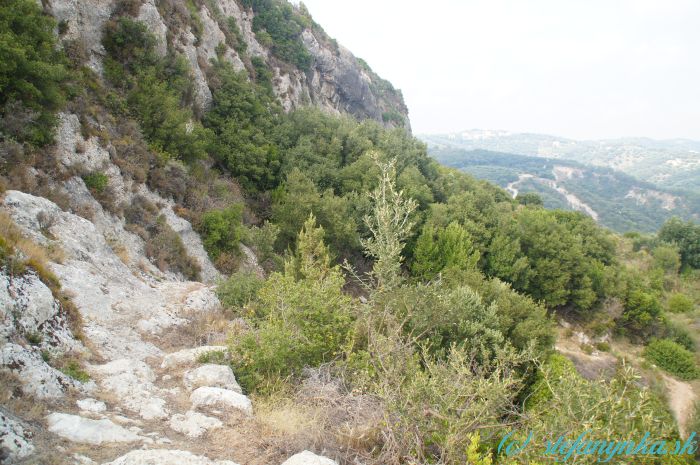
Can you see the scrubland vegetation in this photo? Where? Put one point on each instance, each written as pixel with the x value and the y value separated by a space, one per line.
pixel 425 295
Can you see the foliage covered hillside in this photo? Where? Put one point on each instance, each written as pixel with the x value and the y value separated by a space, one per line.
pixel 427 297
pixel 617 200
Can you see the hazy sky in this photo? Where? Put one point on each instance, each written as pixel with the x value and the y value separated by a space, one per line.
pixel 574 68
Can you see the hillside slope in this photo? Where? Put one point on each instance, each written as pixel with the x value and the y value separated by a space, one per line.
pixel 612 198
pixel 669 164
pixel 196 270
pixel 307 66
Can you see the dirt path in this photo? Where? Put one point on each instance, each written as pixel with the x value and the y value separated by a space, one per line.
pixel 682 398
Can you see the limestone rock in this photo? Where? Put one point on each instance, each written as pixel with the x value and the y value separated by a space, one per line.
pixel 150 16
pixel 188 356
pixel 308 458
pixel 193 424
pixel 15 438
pixel 27 307
pixel 211 375
pixel 165 457
pixel 86 431
pixel 37 377
pixel 132 382
pixel 84 19
pixel 222 398
pixel 92 405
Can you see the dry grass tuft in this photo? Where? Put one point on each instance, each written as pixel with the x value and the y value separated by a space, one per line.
pixel 322 415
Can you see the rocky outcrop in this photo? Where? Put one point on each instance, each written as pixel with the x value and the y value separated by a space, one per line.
pixel 336 81
pixel 38 378
pixel 15 438
pixel 220 376
pixel 29 309
pixel 88 155
pixel 193 424
pixel 221 398
pixel 86 431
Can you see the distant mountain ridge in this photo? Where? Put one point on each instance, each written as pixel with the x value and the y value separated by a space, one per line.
pixel 670 164
pixel 613 198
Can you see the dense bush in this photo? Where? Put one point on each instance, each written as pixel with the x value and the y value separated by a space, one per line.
pixel 686 236
pixel 242 117
pixel 564 403
pixel 437 250
pixel 32 73
pixel 641 313
pixel 673 358
pixel 262 240
pixel 667 258
pixel 680 335
pixel 222 230
pixel 238 290
pixel 680 303
pixel 304 317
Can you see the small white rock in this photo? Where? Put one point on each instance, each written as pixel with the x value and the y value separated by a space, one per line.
pixel 92 405
pixel 82 460
pixel 308 458
pixel 87 431
pixel 211 375
pixel 218 397
pixel 165 457
pixel 194 424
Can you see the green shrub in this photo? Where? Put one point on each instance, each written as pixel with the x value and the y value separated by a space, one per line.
pixel 304 318
pixel 73 369
pixel 218 357
pixel 32 74
pixel 158 90
pixel 680 303
pixel 239 44
pixel 34 338
pixel 686 236
pixel 440 249
pixel 242 117
pixel 667 258
pixel 680 335
pixel 602 346
pixel 263 75
pixel 96 181
pixel 673 358
pixel 641 313
pixel 222 230
pixel 239 289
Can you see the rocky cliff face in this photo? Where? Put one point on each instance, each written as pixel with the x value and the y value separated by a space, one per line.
pixel 335 80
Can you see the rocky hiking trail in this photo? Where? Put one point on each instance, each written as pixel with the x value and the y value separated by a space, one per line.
pixel 149 400
pixel 144 396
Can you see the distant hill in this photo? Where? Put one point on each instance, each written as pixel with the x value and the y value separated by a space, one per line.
pixel 670 164
pixel 612 198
